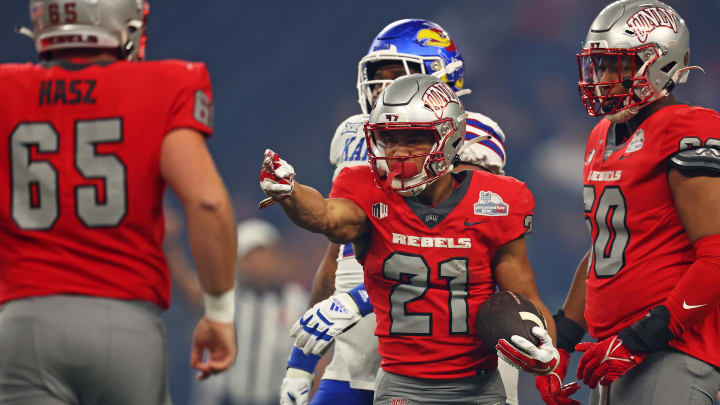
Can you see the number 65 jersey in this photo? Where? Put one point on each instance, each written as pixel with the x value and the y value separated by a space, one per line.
pixel 80 187
pixel 639 247
pixel 427 269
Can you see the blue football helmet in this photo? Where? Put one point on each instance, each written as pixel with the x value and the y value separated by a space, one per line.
pixel 421 44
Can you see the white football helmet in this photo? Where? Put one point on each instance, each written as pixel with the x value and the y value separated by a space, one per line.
pixel 646 43
pixel 415 102
pixel 70 24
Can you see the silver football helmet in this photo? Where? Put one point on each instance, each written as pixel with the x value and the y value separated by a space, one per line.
pixel 639 46
pixel 68 24
pixel 415 102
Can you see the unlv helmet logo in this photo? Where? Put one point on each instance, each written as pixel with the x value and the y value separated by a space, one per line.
pixel 648 19
pixel 437 97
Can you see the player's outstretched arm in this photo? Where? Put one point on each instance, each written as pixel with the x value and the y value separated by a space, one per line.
pixel 188 168
pixel 340 220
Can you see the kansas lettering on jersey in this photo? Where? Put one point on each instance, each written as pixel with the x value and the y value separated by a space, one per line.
pixel 639 247
pixel 427 270
pixel 81 197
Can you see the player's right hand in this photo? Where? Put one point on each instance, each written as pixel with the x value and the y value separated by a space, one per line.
pixel 295 388
pixel 276 176
pixel 218 339
pixel 550 386
pixel 317 328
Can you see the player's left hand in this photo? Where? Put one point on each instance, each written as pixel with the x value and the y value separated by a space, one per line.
pixel 276 176
pixel 219 340
pixel 522 353
pixel 295 388
pixel 317 328
pixel 551 388
pixel 605 361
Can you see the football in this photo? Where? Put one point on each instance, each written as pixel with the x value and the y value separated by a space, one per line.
pixel 505 314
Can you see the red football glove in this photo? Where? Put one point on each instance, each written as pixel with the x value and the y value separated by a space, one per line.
pixel 550 386
pixel 605 361
pixel 276 178
pixel 525 355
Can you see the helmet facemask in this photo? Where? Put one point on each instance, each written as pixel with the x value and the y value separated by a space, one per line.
pixel 627 69
pixel 399 173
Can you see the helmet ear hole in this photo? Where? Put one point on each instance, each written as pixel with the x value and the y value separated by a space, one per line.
pixel 667 68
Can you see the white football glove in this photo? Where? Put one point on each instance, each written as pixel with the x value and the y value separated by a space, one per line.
pixel 276 176
pixel 525 355
pixel 295 388
pixel 317 328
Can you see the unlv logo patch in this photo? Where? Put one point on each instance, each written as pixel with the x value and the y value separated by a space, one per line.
pixel 437 97
pixel 379 210
pixel 398 401
pixel 648 19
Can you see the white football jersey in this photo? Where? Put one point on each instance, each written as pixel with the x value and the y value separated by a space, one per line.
pixel 356 358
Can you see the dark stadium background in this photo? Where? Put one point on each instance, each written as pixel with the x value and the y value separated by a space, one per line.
pixel 284 77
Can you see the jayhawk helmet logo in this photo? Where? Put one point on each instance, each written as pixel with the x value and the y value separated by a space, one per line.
pixel 435 37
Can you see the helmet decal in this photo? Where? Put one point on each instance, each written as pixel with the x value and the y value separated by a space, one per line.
pixel 435 37
pixel 648 19
pixel 437 97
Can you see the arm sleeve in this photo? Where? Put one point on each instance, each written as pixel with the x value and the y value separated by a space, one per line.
pixel 697 294
pixel 193 105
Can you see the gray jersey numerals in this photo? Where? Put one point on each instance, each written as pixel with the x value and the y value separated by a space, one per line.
pixel 612 237
pixel 35 204
pixel 412 274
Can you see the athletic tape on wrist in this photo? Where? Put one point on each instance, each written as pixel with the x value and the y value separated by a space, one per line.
pixel 569 333
pixel 302 361
pixel 361 298
pixel 220 308
pixel 650 333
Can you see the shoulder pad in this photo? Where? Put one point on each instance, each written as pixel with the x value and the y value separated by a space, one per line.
pixel 707 159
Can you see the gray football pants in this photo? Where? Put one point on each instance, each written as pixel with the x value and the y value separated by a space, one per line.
pixel 393 389
pixel 663 378
pixel 72 350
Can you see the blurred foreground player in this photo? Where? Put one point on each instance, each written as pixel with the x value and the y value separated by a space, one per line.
pixel 92 136
pixel 649 287
pixel 433 245
pixel 403 47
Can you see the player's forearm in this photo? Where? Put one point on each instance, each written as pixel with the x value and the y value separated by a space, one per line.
pixel 574 307
pixel 324 282
pixel 306 208
pixel 211 229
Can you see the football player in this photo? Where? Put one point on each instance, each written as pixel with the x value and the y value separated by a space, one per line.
pixel 403 47
pixel 92 135
pixel 433 245
pixel 649 287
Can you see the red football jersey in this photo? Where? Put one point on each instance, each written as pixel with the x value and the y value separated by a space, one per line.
pixel 639 247
pixel 81 193
pixel 427 269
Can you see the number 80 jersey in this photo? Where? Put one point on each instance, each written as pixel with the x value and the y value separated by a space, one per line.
pixel 427 269
pixel 80 187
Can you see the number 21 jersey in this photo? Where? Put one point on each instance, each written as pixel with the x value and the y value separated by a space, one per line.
pixel 427 269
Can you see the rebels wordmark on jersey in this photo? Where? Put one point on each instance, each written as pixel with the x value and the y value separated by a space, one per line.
pixel 427 270
pixel 81 193
pixel 639 247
